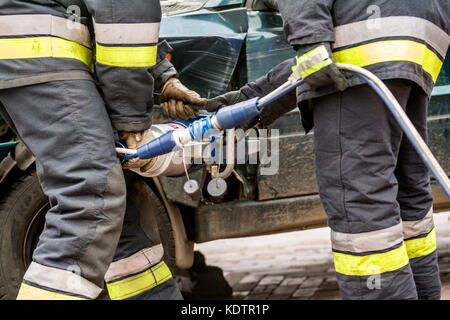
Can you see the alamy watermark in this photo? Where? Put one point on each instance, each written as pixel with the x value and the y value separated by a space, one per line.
pixel 235 146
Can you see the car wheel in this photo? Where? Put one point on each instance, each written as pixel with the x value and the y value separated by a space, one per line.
pixel 22 217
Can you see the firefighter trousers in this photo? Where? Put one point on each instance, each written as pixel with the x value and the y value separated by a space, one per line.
pixel 376 193
pixel 92 233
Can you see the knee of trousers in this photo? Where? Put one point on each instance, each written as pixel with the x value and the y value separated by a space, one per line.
pixel 89 245
pixel 137 275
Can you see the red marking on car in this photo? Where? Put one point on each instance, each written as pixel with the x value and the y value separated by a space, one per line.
pixel 174 126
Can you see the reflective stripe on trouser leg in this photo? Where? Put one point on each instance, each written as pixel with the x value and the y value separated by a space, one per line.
pixel 416 200
pixel 45 283
pixel 373 265
pixel 356 142
pixel 138 275
pixel 420 241
pixel 72 140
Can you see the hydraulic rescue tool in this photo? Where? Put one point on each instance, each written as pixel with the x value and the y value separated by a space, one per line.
pixel 232 116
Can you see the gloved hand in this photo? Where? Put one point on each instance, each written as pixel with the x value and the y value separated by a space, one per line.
pixel 134 140
pixel 178 102
pixel 316 66
pixel 230 98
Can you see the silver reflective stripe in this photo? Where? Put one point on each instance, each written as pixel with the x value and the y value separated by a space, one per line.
pixel 62 280
pixel 126 33
pixel 44 24
pixel 135 263
pixel 367 241
pixel 416 228
pixel 400 26
pixel 321 55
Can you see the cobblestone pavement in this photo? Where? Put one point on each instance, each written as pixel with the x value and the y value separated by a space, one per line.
pixel 296 265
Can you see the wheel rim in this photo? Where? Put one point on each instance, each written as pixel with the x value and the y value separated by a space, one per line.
pixel 32 234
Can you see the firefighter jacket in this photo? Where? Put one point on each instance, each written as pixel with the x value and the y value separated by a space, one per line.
pixel 114 42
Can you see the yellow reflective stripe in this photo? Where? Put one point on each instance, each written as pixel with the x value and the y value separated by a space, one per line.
pixel 421 246
pixel 316 68
pixel 389 51
pixel 144 56
pixel 134 285
pixel 44 47
pixel 27 292
pixel 371 264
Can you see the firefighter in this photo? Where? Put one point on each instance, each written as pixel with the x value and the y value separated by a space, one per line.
pixel 372 183
pixel 68 107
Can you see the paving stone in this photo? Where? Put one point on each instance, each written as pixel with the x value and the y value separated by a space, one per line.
pixel 264 289
pixel 271 280
pixel 445 292
pixel 278 297
pixel 326 295
pixel 312 282
pixel 262 296
pixel 240 293
pixel 244 286
pixel 444 267
pixel 293 281
pixel 284 290
pixel 249 278
pixel 329 286
pixel 304 293
pixel 234 277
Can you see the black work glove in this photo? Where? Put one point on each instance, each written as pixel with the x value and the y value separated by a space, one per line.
pixel 317 67
pixel 230 98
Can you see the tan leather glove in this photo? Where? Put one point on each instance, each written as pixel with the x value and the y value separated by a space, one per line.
pixel 134 140
pixel 178 102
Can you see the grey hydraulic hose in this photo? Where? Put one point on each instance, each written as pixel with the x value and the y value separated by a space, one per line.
pixel 402 119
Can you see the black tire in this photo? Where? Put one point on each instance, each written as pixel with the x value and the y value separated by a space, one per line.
pixel 22 217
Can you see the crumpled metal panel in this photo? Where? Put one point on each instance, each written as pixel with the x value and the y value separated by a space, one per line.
pixel 223 3
pixel 266 44
pixel 206 47
pixel 175 7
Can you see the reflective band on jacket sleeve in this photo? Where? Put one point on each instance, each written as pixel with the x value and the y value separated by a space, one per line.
pixel 126 33
pixel 127 56
pixel 397 26
pixel 44 47
pixel 141 282
pixel 370 264
pixel 421 246
pixel 27 292
pixel 312 62
pixel 389 51
pixel 44 25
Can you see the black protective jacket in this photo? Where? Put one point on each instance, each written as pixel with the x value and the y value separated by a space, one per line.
pixel 113 42
pixel 393 39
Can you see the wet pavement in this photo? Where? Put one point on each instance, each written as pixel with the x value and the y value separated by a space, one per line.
pixel 296 265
